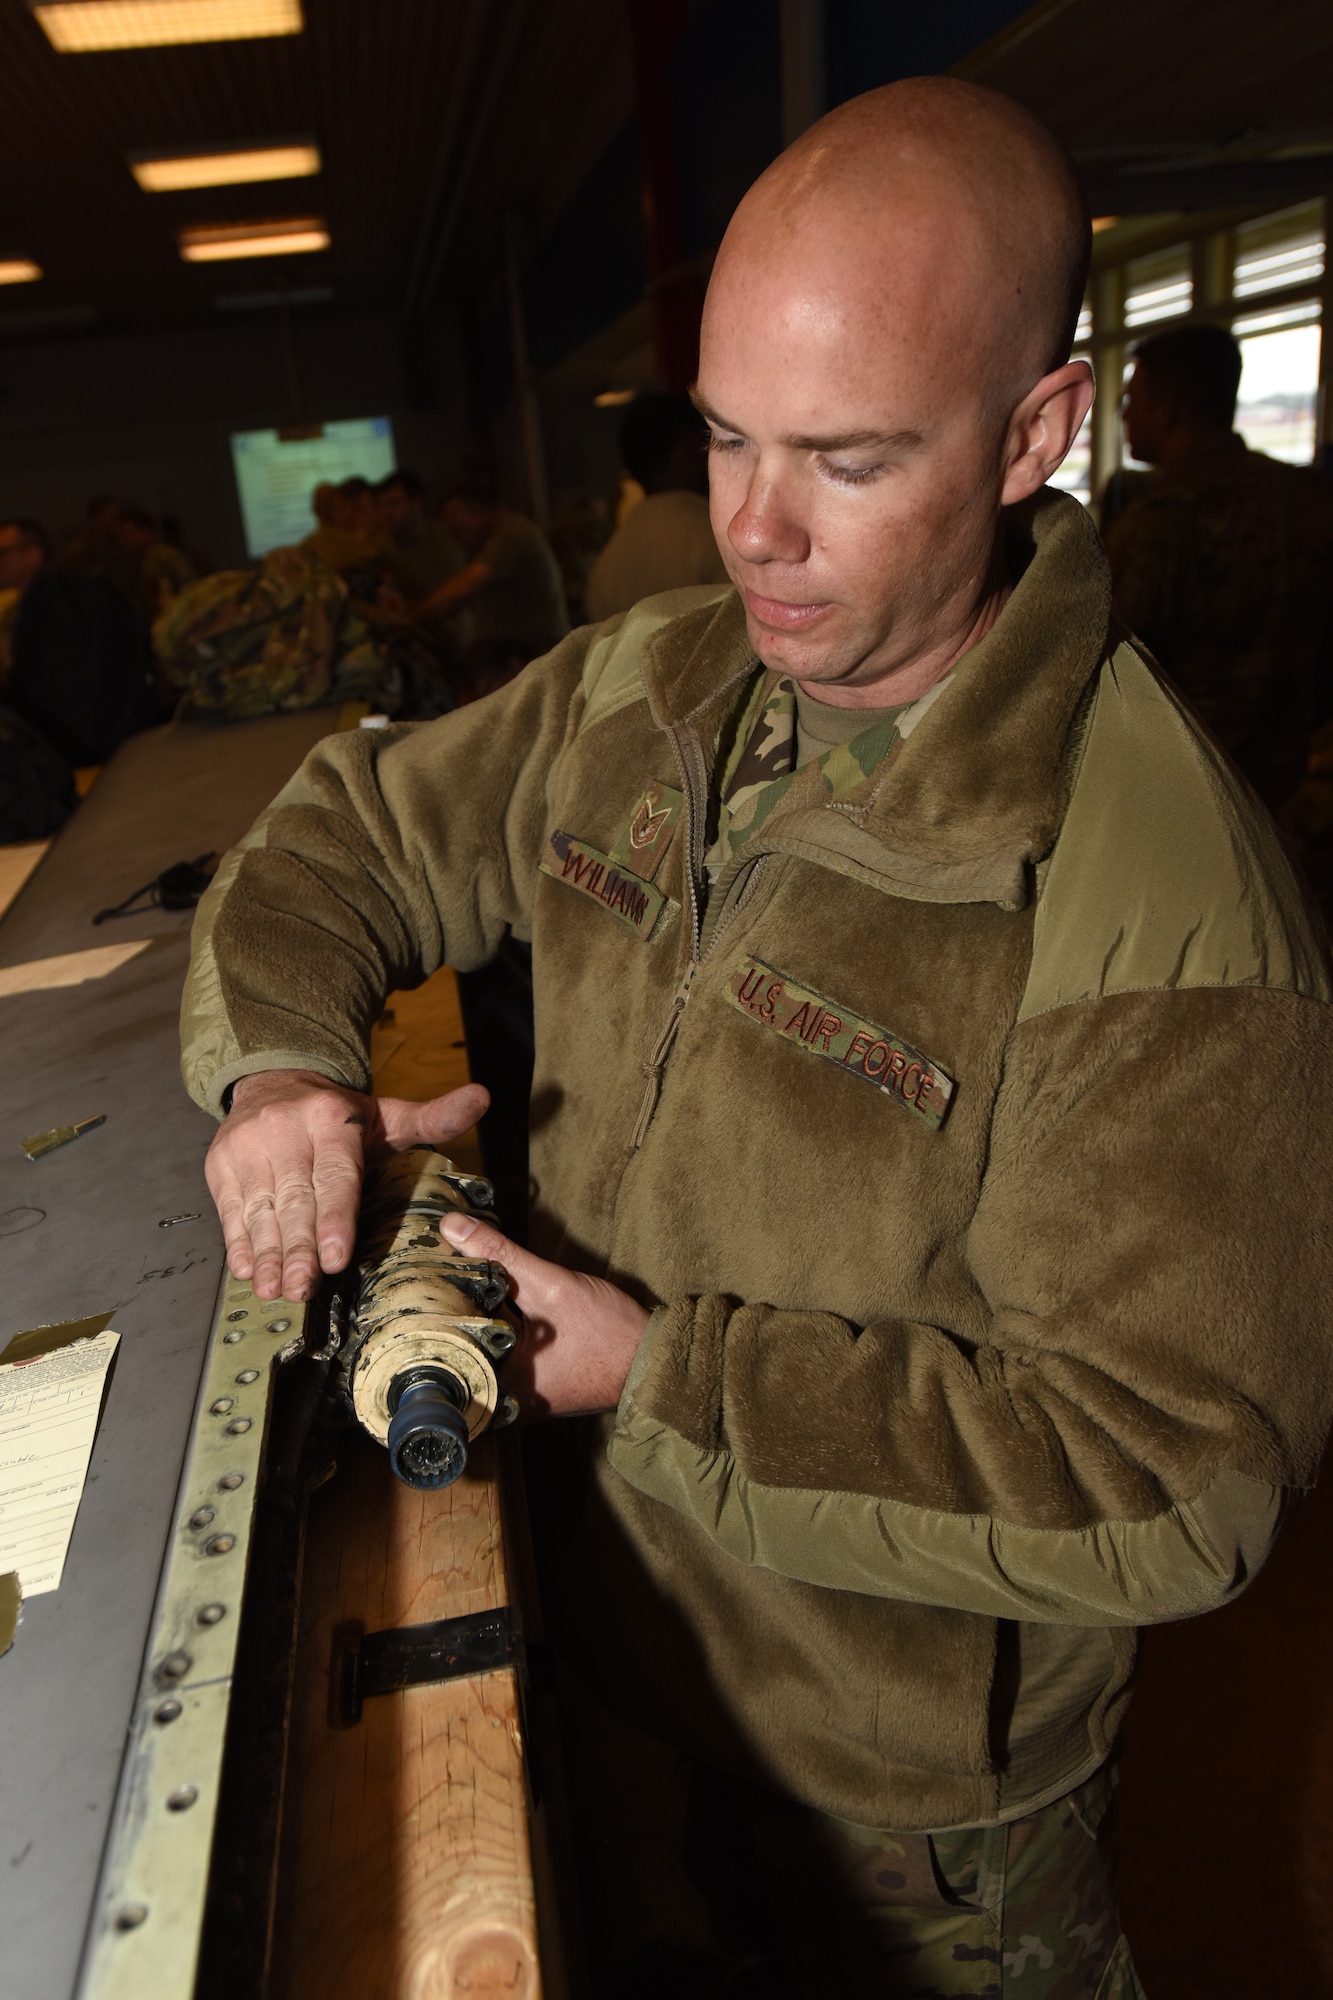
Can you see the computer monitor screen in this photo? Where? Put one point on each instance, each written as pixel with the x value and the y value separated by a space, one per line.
pixel 276 475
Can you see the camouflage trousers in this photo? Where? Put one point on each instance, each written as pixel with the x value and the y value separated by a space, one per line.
pixel 695 1883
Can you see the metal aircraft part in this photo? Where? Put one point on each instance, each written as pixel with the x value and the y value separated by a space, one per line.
pixel 148 1914
pixel 422 1341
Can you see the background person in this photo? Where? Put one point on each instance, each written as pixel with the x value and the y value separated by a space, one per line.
pixel 1223 563
pixel 422 553
pixel 667 540
pixel 25 550
pixel 511 582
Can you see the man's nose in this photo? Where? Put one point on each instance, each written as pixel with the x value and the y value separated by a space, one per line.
pixel 765 527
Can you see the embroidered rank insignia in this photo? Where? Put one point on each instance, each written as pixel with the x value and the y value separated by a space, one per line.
pixel 827 1030
pixel 651 829
pixel 595 874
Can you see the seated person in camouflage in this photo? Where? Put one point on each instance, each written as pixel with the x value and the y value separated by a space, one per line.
pixel 933 1055
pixel 1223 562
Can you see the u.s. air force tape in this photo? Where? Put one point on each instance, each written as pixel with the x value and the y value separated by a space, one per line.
pixel 824 1028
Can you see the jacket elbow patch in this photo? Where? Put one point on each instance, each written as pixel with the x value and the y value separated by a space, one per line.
pixel 1192 1558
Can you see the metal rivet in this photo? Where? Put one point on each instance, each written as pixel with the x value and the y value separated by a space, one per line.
pixel 219 1545
pixel 174 1666
pixel 238 1427
pixel 278 1325
pixel 182 1798
pixel 230 1481
pixel 130 1916
pixel 237 1333
pixel 248 1375
pixel 212 1614
pixel 244 1313
pixel 166 1711
pixel 222 1405
pixel 201 1517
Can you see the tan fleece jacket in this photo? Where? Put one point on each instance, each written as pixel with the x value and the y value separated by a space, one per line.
pixel 972 1148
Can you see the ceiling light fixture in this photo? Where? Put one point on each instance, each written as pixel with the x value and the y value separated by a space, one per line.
pixel 613 399
pixel 76 26
pixel 223 166
pixel 253 239
pixel 18 271
pixel 1100 222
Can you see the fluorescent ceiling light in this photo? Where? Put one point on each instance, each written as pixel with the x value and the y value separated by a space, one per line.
pixel 75 26
pixel 18 271
pixel 227 166
pixel 253 239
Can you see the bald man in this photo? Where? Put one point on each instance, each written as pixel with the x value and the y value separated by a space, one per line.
pixel 933 1053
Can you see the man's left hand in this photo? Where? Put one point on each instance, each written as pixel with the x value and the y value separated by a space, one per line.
pixel 580 1333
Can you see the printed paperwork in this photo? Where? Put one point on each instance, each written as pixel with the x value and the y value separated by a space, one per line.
pixel 49 1401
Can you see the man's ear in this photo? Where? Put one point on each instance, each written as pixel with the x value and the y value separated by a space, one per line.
pixel 1043 428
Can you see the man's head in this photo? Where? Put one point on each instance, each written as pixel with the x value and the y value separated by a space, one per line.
pixel 101 517
pixel 473 508
pixel 663 442
pixel 356 507
pixel 136 530
pixel 884 368
pixel 402 499
pixel 25 547
pixel 1182 393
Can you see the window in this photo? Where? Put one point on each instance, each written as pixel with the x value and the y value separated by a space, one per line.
pixel 1279 388
pixel 1280 250
pixel 1279 342
pixel 1158 287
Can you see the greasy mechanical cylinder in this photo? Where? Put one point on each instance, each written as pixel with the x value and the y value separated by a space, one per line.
pixel 423 1339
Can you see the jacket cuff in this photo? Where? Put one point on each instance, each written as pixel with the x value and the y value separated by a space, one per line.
pixel 216 1093
pixel 676 1375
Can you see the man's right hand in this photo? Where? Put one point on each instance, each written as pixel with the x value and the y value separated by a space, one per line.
pixel 285 1169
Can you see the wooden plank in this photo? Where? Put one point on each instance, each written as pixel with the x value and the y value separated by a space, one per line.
pixel 406 1868
pixel 406 1861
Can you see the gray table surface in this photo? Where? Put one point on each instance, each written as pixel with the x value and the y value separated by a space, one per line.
pixel 79 1234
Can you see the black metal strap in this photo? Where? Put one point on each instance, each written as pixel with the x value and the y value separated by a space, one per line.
pixel 373 1663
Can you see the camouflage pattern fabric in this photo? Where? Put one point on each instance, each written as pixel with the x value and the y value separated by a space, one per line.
pixel 1025 1911
pixel 697 1882
pixel 283 636
pixel 758 770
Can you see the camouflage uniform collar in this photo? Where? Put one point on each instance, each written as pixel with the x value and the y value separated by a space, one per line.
pixel 974 795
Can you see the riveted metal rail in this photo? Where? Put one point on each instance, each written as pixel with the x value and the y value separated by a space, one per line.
pixel 148 1915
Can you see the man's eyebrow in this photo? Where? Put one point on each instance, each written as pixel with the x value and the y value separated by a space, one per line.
pixel 905 439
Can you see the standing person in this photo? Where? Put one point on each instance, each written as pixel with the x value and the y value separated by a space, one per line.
pixel 511 581
pixel 96 551
pixel 906 966
pixel 1223 563
pixel 155 571
pixel 667 540
pixel 421 553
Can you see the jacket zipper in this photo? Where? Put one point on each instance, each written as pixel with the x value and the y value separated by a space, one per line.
pixel 689 756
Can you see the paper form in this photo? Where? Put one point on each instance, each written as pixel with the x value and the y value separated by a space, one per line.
pixel 48 1418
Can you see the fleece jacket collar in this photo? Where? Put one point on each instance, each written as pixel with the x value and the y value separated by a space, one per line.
pixel 975 795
